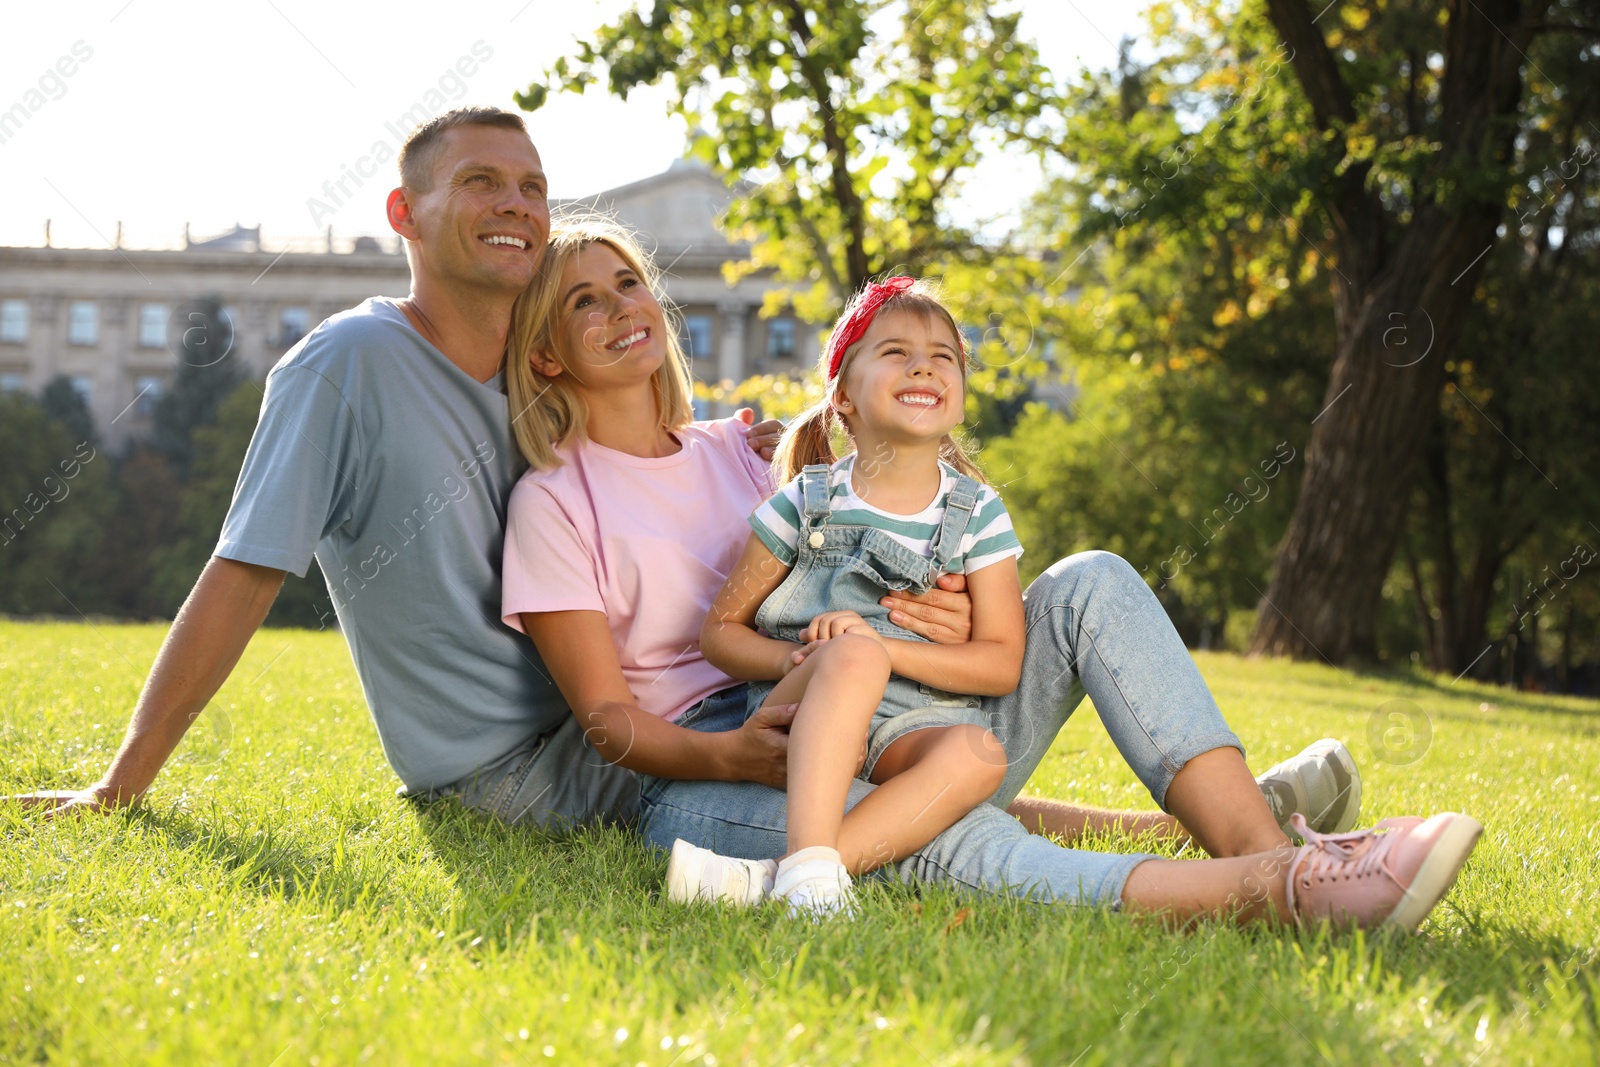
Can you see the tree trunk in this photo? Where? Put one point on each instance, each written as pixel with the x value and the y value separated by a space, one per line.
pixel 1402 290
pixel 1359 469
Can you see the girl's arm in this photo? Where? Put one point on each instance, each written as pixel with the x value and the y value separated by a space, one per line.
pixel 988 665
pixel 729 639
pixel 577 648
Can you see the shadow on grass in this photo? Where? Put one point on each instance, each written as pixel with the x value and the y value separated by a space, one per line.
pixel 506 876
pixel 271 860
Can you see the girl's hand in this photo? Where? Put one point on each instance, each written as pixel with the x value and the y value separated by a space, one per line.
pixel 798 656
pixel 834 624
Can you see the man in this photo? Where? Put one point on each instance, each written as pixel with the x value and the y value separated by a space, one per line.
pixel 384 449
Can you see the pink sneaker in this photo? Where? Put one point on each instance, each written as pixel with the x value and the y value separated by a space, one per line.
pixel 1391 875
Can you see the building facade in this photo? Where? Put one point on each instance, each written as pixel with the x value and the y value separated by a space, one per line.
pixel 111 319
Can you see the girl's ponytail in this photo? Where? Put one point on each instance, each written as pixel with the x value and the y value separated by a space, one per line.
pixel 807 440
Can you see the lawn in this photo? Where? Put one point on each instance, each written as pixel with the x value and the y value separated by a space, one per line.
pixel 274 903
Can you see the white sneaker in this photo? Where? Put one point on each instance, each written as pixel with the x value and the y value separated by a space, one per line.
pixel 1321 783
pixel 696 873
pixel 816 887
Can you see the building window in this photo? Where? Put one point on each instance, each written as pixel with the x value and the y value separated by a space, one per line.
pixel 13 321
pixel 13 383
pixel 83 323
pixel 697 335
pixel 780 339
pixel 84 387
pixel 152 326
pixel 147 390
pixel 293 324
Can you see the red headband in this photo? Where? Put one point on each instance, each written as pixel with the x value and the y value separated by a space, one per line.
pixel 854 325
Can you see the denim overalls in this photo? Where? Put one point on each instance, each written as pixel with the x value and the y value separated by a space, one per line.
pixel 848 568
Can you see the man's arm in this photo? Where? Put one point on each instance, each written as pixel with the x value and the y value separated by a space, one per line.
pixel 764 436
pixel 216 622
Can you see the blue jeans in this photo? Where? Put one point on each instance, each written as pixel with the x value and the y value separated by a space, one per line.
pixel 1093 627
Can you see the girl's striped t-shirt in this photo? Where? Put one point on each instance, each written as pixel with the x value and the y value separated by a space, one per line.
pixel 988 540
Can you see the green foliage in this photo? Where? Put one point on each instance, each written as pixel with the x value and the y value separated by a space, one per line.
pixel 205 376
pixel 54 487
pixel 856 122
pixel 219 449
pixel 62 404
pixel 86 533
pixel 273 898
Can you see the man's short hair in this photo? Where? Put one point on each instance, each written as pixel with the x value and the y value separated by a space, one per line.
pixel 421 151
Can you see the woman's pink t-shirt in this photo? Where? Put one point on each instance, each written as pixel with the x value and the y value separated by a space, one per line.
pixel 647 542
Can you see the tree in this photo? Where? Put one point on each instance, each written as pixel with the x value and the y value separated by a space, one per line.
pixel 1510 470
pixel 54 485
pixel 857 121
pixel 63 403
pixel 1413 175
pixel 206 375
pixel 1381 141
pixel 219 450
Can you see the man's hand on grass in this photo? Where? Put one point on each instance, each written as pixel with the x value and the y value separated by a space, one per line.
pixel 763 436
pixel 943 614
pixel 54 803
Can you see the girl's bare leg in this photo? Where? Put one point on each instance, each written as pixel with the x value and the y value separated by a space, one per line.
pixel 838 687
pixel 926 781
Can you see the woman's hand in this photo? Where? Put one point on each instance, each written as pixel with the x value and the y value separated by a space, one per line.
pixel 943 614
pixel 762 753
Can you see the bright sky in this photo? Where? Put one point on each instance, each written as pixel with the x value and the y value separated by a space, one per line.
pixel 159 112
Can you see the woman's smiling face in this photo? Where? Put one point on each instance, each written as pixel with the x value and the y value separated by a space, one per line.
pixel 612 327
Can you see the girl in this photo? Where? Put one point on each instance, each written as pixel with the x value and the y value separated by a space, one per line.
pixel 905 506
pixel 631 519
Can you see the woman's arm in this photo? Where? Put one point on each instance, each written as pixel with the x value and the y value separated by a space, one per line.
pixel 577 648
pixel 729 639
pixel 990 664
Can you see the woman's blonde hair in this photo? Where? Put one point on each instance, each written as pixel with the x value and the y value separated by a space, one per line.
pixel 809 438
pixel 546 412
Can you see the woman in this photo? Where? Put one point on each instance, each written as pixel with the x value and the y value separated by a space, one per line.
pixel 631 518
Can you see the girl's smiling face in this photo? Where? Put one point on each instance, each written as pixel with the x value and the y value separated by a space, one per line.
pixel 905 380
pixel 612 329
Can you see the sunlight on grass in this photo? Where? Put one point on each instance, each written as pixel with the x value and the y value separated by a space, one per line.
pixel 275 903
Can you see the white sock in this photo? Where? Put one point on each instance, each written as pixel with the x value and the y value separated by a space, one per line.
pixel 808 863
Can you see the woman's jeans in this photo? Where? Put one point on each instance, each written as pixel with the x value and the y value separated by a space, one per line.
pixel 1093 627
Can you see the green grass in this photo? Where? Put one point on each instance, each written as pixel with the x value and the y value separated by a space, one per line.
pixel 273 903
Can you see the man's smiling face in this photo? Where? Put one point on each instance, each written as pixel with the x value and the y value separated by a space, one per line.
pixel 484 220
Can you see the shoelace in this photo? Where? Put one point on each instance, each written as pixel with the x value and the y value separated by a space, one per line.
pixel 1348 856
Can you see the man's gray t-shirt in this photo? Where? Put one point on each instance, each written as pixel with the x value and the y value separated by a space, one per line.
pixel 393 466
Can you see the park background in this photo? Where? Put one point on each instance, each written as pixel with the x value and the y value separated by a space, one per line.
pixel 1382 286
pixel 1312 289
